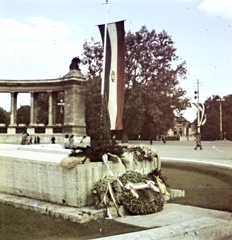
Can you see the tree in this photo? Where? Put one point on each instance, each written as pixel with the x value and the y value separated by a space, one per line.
pixel 42 116
pixel 23 115
pixel 4 116
pixel 153 71
pixel 152 90
pixel 227 117
pixel 211 129
pixel 97 119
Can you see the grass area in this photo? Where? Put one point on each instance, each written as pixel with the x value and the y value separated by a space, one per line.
pixel 20 224
pixel 204 186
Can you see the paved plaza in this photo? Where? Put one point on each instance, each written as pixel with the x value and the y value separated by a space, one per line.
pixel 214 152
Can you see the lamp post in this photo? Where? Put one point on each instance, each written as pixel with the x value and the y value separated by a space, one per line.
pixel 61 104
pixel 220 108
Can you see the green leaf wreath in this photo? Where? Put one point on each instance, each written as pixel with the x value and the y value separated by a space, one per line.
pixel 149 201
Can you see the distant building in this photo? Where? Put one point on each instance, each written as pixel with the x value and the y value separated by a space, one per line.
pixel 182 128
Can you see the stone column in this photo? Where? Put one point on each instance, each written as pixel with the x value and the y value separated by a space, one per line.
pixel 50 108
pixel 54 107
pixel 13 114
pixel 12 110
pixel 31 127
pixel 35 107
pixel 49 129
pixel 15 108
pixel 32 111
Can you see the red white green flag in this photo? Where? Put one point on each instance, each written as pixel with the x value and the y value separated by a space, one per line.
pixel 114 71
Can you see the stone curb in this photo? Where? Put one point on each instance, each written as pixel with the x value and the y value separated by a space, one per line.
pixel 78 215
pixel 200 229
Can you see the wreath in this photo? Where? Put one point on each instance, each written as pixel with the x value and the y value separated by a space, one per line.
pixel 148 200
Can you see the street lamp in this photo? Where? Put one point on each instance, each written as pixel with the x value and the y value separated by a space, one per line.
pixel 61 115
pixel 61 104
pixel 221 100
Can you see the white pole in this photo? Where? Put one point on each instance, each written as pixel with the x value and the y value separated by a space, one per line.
pixel 104 52
pixel 220 108
pixel 220 119
pixel 198 112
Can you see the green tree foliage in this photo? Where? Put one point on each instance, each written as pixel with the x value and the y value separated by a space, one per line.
pixel 42 108
pixel 153 70
pixel 23 115
pixel 152 73
pixel 97 120
pixel 211 129
pixel 4 116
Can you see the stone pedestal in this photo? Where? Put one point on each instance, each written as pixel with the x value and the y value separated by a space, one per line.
pixel 49 130
pixel 11 129
pixel 31 130
pixel 74 110
pixel 40 176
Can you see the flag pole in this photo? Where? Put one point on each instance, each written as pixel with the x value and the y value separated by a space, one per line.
pixel 104 53
pixel 103 79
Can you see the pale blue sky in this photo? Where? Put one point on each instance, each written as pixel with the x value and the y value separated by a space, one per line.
pixel 39 38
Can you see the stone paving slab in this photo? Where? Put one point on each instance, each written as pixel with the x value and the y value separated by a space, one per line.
pixel 174 213
pixel 40 152
pixel 200 229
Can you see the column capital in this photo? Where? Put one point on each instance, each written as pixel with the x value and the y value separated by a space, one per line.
pixel 14 93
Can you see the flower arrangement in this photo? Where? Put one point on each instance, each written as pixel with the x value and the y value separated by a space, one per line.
pixel 135 191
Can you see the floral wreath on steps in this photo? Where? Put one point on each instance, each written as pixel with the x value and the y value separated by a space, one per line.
pixel 137 193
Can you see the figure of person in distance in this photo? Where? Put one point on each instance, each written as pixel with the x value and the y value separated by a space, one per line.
pixel 198 141
pixel 164 139
pixel 53 139
pixel 66 141
pixel 113 141
pixel 71 143
pixel 24 138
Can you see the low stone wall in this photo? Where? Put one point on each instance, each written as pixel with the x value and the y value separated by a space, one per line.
pixel 48 181
pixel 44 138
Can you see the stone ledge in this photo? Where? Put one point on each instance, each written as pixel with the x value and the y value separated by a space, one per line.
pixel 200 229
pixel 78 215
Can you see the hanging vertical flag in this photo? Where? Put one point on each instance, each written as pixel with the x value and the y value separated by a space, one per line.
pixel 201 108
pixel 114 71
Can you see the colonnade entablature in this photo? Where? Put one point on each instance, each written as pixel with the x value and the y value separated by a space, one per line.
pixel 73 87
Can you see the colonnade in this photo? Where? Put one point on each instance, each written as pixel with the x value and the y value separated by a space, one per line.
pixel 72 85
pixel 52 111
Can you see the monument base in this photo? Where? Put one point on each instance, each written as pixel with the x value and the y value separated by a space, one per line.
pixel 76 130
pixel 38 174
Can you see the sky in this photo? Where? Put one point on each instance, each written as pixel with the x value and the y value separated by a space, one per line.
pixel 39 38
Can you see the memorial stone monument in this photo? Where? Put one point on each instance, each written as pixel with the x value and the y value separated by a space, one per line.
pixel 74 94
